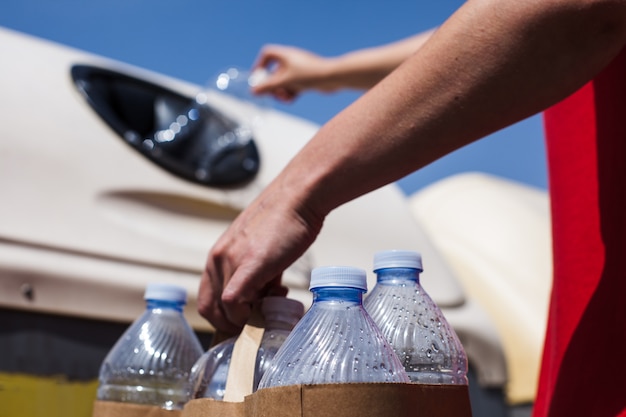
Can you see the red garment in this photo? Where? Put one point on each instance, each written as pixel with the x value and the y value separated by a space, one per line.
pixel 584 361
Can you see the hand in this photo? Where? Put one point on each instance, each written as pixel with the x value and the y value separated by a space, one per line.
pixel 247 261
pixel 292 71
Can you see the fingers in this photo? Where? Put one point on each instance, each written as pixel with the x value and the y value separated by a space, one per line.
pixel 242 293
pixel 286 94
pixel 276 289
pixel 226 297
pixel 266 59
pixel 246 262
pixel 229 312
pixel 279 82
pixel 236 311
pixel 270 56
pixel 277 85
pixel 210 306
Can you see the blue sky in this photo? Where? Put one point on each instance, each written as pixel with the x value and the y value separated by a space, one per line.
pixel 195 39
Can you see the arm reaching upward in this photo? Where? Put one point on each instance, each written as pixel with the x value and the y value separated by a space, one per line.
pixel 493 63
pixel 297 70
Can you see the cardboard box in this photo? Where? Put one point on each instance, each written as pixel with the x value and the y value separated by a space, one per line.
pixel 324 400
pixel 342 400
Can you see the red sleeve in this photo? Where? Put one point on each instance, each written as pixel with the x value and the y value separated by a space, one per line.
pixel 583 371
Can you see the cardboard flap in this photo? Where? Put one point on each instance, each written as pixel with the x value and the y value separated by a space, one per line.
pixel 240 379
pixel 208 407
pixel 277 402
pixel 119 409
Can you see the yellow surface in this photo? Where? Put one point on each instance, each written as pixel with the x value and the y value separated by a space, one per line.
pixel 35 396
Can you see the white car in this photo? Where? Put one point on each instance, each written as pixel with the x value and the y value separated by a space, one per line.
pixel 102 194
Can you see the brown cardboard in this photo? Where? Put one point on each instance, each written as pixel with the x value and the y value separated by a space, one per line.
pixel 384 400
pixel 240 378
pixel 208 407
pixel 342 400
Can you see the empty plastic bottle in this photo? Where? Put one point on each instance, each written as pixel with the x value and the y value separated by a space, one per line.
pixel 151 362
pixel 336 341
pixel 426 344
pixel 209 374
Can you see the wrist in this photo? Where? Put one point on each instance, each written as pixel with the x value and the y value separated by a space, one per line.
pixel 334 73
pixel 301 185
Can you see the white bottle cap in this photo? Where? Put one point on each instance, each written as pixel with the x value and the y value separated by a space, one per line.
pixel 282 305
pixel 258 76
pixel 165 292
pixel 398 259
pixel 338 276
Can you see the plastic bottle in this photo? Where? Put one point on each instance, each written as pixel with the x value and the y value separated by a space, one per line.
pixel 209 374
pixel 151 362
pixel 336 341
pixel 211 139
pixel 426 344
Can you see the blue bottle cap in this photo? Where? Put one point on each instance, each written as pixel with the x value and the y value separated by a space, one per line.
pixel 338 276
pixel 398 259
pixel 165 292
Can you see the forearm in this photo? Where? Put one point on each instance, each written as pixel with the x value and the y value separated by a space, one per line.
pixel 364 68
pixel 492 64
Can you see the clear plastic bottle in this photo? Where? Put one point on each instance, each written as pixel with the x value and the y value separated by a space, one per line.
pixel 336 341
pixel 426 344
pixel 209 374
pixel 212 138
pixel 151 362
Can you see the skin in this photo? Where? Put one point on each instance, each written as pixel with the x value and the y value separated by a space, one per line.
pixel 298 70
pixel 491 64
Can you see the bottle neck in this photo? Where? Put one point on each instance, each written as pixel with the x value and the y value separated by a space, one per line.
pixel 281 323
pixel 393 275
pixel 322 294
pixel 164 305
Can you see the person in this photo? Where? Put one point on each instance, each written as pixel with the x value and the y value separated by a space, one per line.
pixel 491 64
pixel 298 70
